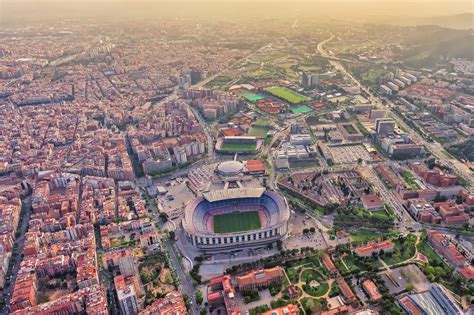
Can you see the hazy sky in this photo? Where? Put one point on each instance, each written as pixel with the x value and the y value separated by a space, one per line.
pixel 23 11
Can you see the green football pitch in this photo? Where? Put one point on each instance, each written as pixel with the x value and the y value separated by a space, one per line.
pixel 237 222
pixel 287 94
pixel 236 147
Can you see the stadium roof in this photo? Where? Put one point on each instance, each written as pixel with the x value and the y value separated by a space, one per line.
pixel 234 194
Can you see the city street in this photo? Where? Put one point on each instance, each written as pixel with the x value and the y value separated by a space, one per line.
pixel 19 244
pixel 186 284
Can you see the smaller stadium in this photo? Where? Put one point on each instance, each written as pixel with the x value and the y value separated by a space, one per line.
pixel 236 218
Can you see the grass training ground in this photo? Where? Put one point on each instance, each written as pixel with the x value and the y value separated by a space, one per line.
pixel 287 94
pixel 259 129
pixel 237 222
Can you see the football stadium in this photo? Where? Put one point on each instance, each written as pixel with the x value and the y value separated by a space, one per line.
pixel 236 218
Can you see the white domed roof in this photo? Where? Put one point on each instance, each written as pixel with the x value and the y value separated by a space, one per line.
pixel 230 168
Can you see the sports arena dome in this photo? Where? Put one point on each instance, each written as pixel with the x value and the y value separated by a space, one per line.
pixel 230 168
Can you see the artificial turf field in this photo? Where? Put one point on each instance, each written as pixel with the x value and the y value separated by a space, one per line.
pixel 249 96
pixel 237 222
pixel 302 109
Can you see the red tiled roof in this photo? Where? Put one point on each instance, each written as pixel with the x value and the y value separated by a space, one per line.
pixel 327 261
pixel 256 168
pixel 253 162
pixel 410 306
pixel 259 276
pixel 368 249
pixel 289 309
pixel 372 290
pixel 467 272
pixel 346 290
pixel 372 201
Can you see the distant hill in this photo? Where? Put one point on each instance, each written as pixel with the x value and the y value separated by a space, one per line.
pixel 458 21
pixel 431 43
pixel 462 21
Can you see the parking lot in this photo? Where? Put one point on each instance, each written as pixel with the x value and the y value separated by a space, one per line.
pixel 296 238
pixel 349 154
pixel 177 196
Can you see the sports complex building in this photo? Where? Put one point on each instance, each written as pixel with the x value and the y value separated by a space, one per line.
pixel 236 218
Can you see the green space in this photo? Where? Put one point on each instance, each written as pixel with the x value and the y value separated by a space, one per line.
pixel 410 180
pixel 301 109
pixel 252 97
pixel 368 74
pixel 318 290
pixel 237 222
pixel 293 274
pixel 309 68
pixel 349 218
pixel 314 306
pixel 463 151
pixel 404 249
pixel 364 236
pixel 309 275
pixel 431 45
pixel 350 129
pixel 238 147
pixel 313 261
pixel 259 129
pixel 433 257
pixel 220 81
pixel 287 94
pixel 381 215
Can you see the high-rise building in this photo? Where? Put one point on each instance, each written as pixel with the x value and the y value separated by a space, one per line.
pixel 196 76
pixel 386 90
pixel 309 80
pixel 126 296
pixel 384 126
pixel 184 81
pixel 180 155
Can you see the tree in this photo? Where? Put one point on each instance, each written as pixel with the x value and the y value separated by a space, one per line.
pixel 203 311
pixel 312 229
pixel 163 216
pixel 172 235
pixel 279 245
pixel 409 287
pixel 199 297
pixel 187 301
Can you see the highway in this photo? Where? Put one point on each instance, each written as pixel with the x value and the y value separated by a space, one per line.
pixel 435 148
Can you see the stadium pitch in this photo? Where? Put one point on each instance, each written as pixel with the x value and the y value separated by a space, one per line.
pixel 237 222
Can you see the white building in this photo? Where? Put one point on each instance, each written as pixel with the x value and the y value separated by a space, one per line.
pixel 392 86
pixel 386 90
pixel 127 300
pixel 302 139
